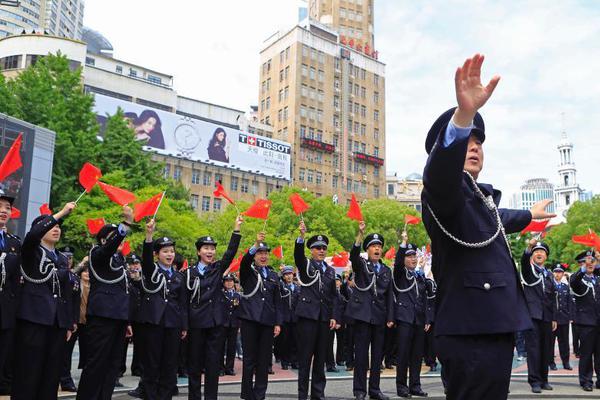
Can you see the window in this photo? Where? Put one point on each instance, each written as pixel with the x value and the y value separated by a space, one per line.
pixel 281 75
pixel 376 97
pixel 216 204
pixel 363 130
pixel 287 52
pixel 376 115
pixel 321 57
pixel 90 61
pixel 302 131
pixel 219 178
pixel 310 176
pixel 268 103
pixel 363 92
pixel 282 56
pixel 320 115
pixel 356 89
pixel 313 54
pixel 194 201
pixel 286 93
pixel 349 164
pixel 254 187
pixel 119 69
pixel 320 96
pixel 356 109
pixel 363 73
pixel 205 203
pixel 348 184
pixel 167 171
pixel 305 51
pixel 334 181
pixel 337 63
pixel 356 127
pixel 284 134
pixel 154 79
pixel 304 91
pixel 304 70
pixel 321 76
pixel 376 151
pixel 269 188
pixel 319 178
pixel 286 73
pixel 303 111
pixel 244 186
pixel 336 102
pixel 195 177
pixel 301 173
pixel 313 73
pixel 279 115
pixel 390 189
pixel 234 183
pixel 132 72
pixel 262 105
pixel 285 113
pixel 206 178
pixel 376 80
pixel 280 96
pixel 376 171
pixel 177 173
pixel 336 84
pixel 376 134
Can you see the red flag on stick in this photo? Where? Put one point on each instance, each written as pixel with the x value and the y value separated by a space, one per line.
pixel 535 226
pixel 126 248
pixel 45 209
pixel 260 209
pixel 147 208
pixel 89 176
pixel 12 161
pixel 278 252
pixel 220 192
pixel 391 253
pixel 235 264
pixel 15 213
pixel 298 203
pixel 118 195
pixel 354 210
pixel 590 240
pixel 411 220
pixel 95 224
pixel 340 259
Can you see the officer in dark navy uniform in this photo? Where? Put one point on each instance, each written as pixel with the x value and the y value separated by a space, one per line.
pixel 260 314
pixel 204 281
pixel 347 291
pixel 163 312
pixel 231 323
pixel 288 336
pixel 564 315
pixel 10 276
pixel 586 290
pixel 336 336
pixel 580 259
pixel 317 311
pixel 107 311
pixel 45 314
pixel 372 307
pixel 480 301
pixel 429 353
pixel 136 292
pixel 411 293
pixel 541 299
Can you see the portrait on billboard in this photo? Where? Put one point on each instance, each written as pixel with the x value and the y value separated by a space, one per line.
pixel 147 128
pixel 218 148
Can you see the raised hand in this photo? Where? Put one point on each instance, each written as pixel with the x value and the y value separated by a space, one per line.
pixel 471 95
pixel 302 229
pixel 238 222
pixel 150 227
pixel 260 237
pixel 538 211
pixel 66 210
pixel 361 227
pixel 127 214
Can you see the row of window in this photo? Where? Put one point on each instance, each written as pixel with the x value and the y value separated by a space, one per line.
pixel 194 200
pixel 351 15
pixel 205 178
pixel 312 73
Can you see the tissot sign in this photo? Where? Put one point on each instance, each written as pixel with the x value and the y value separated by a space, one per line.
pixel 172 134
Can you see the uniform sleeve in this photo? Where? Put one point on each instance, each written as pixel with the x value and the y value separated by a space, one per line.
pixel 32 241
pixel 577 283
pixel 229 255
pixel 147 260
pixel 358 265
pixel 514 220
pixel 300 260
pixel 245 268
pixel 102 253
pixel 527 268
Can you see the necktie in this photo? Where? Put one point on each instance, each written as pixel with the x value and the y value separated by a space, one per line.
pixel 263 271
pixel 377 267
pixel 323 267
pixel 2 242
pixel 201 269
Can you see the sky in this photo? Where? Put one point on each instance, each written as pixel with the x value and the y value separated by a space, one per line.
pixel 546 52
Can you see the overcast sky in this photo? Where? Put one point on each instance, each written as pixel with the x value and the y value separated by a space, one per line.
pixel 547 53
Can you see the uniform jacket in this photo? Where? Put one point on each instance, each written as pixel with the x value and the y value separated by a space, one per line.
pixel 318 299
pixel 109 292
pixel 10 280
pixel 375 305
pixel 479 289
pixel 586 291
pixel 261 298
pixel 230 304
pixel 539 290
pixel 411 294
pixel 136 293
pixel 205 290
pixel 346 292
pixel 565 305
pixel 164 298
pixel 431 289
pixel 47 292
pixel 289 299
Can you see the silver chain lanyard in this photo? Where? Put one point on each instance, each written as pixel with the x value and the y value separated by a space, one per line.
pixel 111 281
pixel 259 284
pixel 316 277
pixel 372 285
pixel 43 268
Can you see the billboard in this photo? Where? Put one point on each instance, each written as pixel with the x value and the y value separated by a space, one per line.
pixel 173 134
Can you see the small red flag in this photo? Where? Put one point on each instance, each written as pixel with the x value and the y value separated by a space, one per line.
pixel 298 203
pixel 535 226
pixel 45 209
pixel 354 210
pixel 95 224
pixel 15 213
pixel 590 240
pixel 126 249
pixel 118 195
pixel 88 176
pixel 278 252
pixel 411 220
pixel 12 161
pixel 220 192
pixel 185 265
pixel 260 209
pixel 391 253
pixel 147 208
pixel 340 259
pixel 235 264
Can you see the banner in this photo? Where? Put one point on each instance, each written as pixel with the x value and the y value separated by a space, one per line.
pixel 173 134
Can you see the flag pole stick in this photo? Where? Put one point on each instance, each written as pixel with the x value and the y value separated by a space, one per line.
pixel 80 196
pixel 265 226
pixel 159 203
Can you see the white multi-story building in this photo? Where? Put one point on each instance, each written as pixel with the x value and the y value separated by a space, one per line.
pixel 62 18
pixel 567 191
pixel 406 190
pixel 532 191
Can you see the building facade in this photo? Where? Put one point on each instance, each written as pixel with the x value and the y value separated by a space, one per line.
pixel 406 190
pixel 328 100
pixel 62 18
pixel 532 191
pixel 567 190
pixel 350 18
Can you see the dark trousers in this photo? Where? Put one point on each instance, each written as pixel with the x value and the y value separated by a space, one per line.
pixel 589 353
pixel 331 358
pixel 257 342
pixel 476 366
pixel 39 350
pixel 367 335
pixel 138 349
pixel 562 334
pixel 160 361
pixel 349 345
pixel 183 351
pixel 312 346
pixel 339 345
pixel 230 336
pixel 6 360
pixel 575 330
pixel 65 373
pixel 82 337
pixel 429 352
pixel 104 348
pixel 204 354
pixel 537 343
pixel 288 339
pixel 411 342
pixel 390 346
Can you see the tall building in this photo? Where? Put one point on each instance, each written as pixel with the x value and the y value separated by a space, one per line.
pixel 406 190
pixel 328 100
pixel 350 18
pixel 567 191
pixel 62 18
pixel 532 191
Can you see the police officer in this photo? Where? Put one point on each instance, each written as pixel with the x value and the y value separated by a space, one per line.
pixel 45 314
pixel 429 353
pixel 317 311
pixel 164 314
pixel 231 322
pixel 580 259
pixel 564 315
pixel 371 306
pixel 260 315
pixel 336 336
pixel 410 313
pixel 107 311
pixel 136 292
pixel 347 291
pixel 288 337
pixel 66 381
pixel 204 281
pixel 586 289
pixel 480 301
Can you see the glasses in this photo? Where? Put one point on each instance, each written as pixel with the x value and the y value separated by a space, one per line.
pixel 320 247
